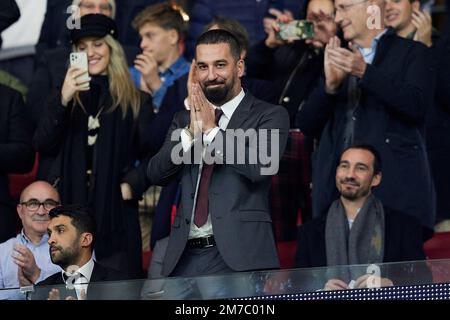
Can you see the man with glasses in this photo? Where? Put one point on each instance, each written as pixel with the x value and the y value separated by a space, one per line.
pixel 376 91
pixel 25 259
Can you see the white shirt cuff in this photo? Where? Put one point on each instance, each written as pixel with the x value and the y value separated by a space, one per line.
pixel 186 140
pixel 186 104
pixel 208 138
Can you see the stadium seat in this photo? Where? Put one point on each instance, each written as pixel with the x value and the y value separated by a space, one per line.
pixel 438 247
pixel 146 257
pixel 286 253
pixel 18 182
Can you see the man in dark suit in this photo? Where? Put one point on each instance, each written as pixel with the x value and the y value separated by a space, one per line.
pixel 223 223
pixel 71 238
pixel 358 228
pixel 376 91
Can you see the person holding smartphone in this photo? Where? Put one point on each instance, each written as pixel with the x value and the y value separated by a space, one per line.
pixel 94 125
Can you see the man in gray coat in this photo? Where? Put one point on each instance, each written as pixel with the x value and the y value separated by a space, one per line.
pixel 220 149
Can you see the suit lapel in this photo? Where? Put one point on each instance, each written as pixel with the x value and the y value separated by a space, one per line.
pixel 98 274
pixel 242 112
pixel 383 46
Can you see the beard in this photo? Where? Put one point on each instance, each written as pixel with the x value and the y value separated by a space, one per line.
pixel 64 257
pixel 353 194
pixel 217 95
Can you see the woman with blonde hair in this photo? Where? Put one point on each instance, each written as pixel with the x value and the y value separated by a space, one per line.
pixel 96 125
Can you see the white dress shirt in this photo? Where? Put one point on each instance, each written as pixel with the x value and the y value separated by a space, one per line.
pixel 80 278
pixel 9 270
pixel 187 142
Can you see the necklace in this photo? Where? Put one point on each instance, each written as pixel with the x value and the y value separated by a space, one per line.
pixel 93 124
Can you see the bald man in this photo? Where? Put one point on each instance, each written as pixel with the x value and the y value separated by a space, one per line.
pixel 25 259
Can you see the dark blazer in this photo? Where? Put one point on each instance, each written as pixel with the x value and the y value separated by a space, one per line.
pixel 54 33
pixel 438 127
pixel 99 274
pixel 238 193
pixel 294 69
pixel 16 153
pixel 396 91
pixel 403 241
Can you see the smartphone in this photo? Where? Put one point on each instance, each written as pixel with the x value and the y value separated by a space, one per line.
pixel 296 30
pixel 80 61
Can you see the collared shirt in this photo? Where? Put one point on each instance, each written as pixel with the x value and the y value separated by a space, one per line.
pixel 228 109
pixel 178 69
pixel 9 270
pixel 369 53
pixel 80 279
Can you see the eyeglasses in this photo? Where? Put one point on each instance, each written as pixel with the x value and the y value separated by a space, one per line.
pixel 345 7
pixel 34 204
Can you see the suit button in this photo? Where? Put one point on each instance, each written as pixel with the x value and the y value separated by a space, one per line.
pixel 286 99
pixel 187 221
pixel 192 195
pixel 388 141
pixel 354 118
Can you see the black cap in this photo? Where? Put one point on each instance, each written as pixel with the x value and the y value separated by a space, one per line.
pixel 94 25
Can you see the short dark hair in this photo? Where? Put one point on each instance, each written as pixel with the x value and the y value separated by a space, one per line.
pixel 377 164
pixel 233 26
pixel 221 36
pixel 167 15
pixel 82 218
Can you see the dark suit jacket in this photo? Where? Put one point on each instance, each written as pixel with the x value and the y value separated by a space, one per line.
pixel 238 193
pixel 16 153
pixel 396 91
pixel 100 291
pixel 403 241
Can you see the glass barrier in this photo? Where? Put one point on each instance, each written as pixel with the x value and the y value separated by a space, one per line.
pixel 272 284
pixel 13 294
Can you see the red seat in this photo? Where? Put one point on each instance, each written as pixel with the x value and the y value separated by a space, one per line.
pixel 18 182
pixel 438 247
pixel 286 253
pixel 146 257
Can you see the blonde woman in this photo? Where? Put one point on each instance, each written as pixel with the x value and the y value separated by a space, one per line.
pixel 96 124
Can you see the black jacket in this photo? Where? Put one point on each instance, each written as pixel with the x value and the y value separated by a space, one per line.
pixel 438 127
pixel 109 290
pixel 99 273
pixel 294 69
pixel 16 153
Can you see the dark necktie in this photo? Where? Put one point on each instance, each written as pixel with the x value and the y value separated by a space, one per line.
pixel 201 210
